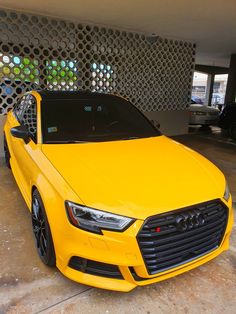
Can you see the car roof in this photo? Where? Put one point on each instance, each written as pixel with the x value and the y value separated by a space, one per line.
pixel 52 95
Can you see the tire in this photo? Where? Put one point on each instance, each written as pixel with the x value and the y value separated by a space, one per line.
pixel 232 131
pixel 205 128
pixel 6 152
pixel 41 230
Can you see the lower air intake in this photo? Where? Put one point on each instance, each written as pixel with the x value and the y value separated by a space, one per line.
pixel 95 268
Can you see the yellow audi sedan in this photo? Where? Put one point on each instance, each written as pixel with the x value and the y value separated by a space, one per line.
pixel 114 203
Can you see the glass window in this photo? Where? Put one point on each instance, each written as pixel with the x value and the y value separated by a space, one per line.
pixel 93 120
pixel 19 107
pixel 199 88
pixel 26 113
pixel 219 89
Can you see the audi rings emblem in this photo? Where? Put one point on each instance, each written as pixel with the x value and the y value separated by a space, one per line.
pixel 189 220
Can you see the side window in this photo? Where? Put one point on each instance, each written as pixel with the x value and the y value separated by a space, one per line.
pixel 29 116
pixel 18 108
pixel 26 113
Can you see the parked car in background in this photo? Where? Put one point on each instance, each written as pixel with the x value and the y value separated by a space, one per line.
pixel 203 115
pixel 196 100
pixel 217 99
pixel 227 120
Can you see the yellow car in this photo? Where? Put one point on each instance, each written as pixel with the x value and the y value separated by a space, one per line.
pixel 114 203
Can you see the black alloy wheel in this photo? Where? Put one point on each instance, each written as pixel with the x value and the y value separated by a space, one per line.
pixel 42 232
pixel 6 152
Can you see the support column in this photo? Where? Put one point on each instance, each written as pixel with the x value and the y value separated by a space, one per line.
pixel 209 89
pixel 231 84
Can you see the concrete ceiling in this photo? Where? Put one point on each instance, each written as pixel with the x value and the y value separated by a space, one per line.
pixel 211 24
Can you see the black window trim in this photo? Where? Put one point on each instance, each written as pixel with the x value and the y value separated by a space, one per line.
pixel 35 140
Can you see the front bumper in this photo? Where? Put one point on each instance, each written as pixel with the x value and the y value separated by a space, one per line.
pixel 120 249
pixel 203 119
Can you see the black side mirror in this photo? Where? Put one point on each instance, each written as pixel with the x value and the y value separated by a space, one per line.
pixel 21 131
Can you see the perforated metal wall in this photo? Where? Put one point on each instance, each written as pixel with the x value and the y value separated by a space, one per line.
pixel 41 52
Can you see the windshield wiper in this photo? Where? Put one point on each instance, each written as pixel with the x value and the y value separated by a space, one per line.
pixel 65 142
pixel 129 138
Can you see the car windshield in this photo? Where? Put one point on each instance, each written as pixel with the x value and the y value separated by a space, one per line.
pixel 93 120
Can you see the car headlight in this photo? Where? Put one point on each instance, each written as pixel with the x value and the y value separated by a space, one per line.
pixel 94 220
pixel 227 193
pixel 199 113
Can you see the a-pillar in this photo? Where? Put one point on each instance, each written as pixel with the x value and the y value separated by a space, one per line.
pixel 209 89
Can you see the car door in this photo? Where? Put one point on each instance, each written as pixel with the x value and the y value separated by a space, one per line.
pixel 26 114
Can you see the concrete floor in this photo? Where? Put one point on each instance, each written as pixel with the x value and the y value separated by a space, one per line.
pixel 27 286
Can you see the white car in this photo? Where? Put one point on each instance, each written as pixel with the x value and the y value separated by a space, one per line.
pixel 203 115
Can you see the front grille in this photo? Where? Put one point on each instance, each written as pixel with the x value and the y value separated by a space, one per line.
pixel 171 239
pixel 95 268
pixel 213 114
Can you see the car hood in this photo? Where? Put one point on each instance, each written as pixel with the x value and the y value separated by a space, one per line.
pixel 136 178
pixel 203 108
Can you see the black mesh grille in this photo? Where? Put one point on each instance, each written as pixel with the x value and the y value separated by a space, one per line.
pixel 171 239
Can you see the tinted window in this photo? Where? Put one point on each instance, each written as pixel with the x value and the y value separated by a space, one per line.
pixel 19 107
pixel 26 113
pixel 93 120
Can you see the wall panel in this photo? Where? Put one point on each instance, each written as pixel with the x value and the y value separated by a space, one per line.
pixel 47 53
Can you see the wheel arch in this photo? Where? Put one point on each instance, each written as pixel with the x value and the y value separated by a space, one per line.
pixel 51 198
pixel 45 190
pixel 34 187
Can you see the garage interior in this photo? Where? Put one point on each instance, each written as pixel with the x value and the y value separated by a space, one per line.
pixel 146 52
